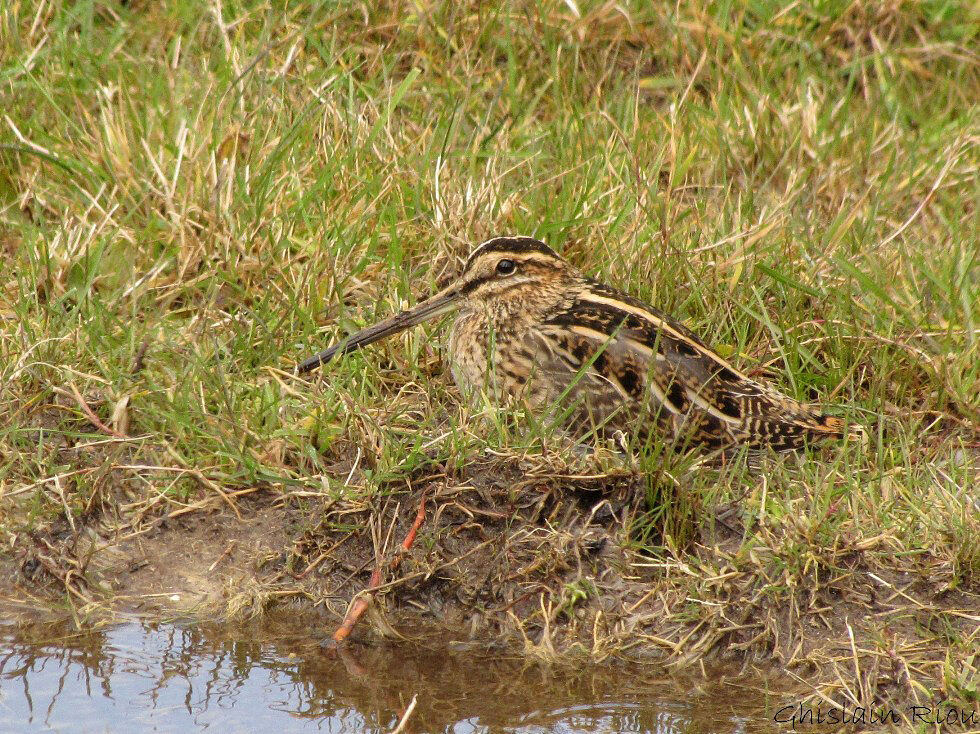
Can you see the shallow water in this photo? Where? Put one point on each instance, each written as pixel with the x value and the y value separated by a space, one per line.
pixel 172 677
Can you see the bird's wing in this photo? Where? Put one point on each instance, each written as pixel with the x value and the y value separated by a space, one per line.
pixel 631 358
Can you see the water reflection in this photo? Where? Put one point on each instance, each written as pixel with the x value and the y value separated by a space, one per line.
pixel 172 677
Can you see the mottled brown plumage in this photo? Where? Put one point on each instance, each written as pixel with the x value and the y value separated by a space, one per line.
pixel 530 328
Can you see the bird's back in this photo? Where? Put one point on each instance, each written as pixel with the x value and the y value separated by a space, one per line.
pixel 630 366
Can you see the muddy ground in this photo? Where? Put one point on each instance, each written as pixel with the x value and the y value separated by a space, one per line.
pixel 510 554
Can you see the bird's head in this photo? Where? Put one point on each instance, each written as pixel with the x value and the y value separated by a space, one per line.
pixel 505 275
pixel 508 273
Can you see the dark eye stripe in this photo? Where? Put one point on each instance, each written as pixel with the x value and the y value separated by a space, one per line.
pixel 500 286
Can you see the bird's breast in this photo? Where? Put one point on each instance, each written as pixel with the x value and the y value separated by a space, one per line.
pixel 467 349
pixel 488 357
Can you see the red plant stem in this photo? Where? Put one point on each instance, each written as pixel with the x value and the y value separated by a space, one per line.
pixel 412 532
pixel 92 417
pixel 358 608
pixel 362 602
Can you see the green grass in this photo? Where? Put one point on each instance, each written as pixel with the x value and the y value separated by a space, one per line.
pixel 194 196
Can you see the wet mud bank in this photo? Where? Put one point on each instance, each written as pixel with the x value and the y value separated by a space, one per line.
pixel 547 565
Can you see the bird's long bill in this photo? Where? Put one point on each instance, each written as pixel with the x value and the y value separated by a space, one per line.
pixel 443 301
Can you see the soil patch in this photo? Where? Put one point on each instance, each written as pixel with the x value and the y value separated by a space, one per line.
pixel 523 556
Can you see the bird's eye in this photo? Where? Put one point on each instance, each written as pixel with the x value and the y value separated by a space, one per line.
pixel 506 267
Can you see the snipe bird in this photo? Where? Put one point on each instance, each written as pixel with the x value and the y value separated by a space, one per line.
pixel 530 327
